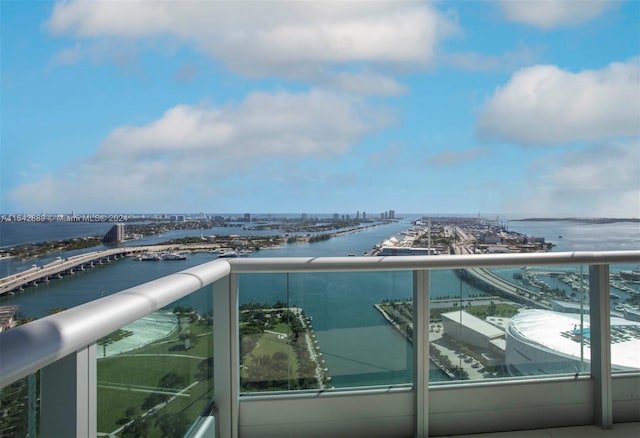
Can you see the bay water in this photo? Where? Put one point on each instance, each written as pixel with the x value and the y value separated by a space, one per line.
pixel 359 346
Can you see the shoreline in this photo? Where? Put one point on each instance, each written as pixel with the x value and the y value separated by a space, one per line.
pixel 13 252
pixel 436 332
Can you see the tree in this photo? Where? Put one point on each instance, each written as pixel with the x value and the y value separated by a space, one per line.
pixel 173 424
pixel 205 369
pixel 56 310
pixel 154 399
pixel 409 331
pixel 129 413
pixel 139 428
pixel 171 380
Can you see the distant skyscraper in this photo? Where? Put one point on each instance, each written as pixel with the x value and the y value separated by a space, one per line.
pixel 392 214
pixel 115 234
pixel 364 215
pixel 358 214
pixel 247 217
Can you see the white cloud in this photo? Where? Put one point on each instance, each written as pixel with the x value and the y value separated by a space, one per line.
pixel 602 181
pixel 317 123
pixel 124 56
pixel 290 39
pixel 544 105
pixel 194 149
pixel 366 84
pixel 547 14
pixel 474 61
pixel 68 55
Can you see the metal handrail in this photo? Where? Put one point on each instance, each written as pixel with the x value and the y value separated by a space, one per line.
pixel 25 349
pixel 409 263
pixel 30 347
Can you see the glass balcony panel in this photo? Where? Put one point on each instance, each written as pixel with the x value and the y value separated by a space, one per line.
pixel 155 375
pixel 509 322
pixel 331 328
pixel 19 407
pixel 624 284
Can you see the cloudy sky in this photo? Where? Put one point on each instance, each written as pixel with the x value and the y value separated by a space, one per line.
pixel 512 107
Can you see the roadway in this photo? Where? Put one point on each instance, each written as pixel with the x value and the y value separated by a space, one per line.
pixel 60 266
pixel 506 288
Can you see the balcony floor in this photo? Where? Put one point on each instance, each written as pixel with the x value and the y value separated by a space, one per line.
pixel 620 430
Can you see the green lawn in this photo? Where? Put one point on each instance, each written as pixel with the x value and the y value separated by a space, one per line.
pixel 126 380
pixel 270 344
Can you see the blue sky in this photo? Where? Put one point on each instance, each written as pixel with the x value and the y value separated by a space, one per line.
pixel 512 107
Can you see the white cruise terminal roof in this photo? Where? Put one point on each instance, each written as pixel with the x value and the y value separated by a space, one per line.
pixel 474 323
pixel 555 331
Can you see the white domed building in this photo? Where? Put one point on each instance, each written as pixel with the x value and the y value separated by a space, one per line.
pixel 544 342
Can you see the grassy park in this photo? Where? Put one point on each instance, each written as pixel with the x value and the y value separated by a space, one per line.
pixel 159 389
pixel 275 354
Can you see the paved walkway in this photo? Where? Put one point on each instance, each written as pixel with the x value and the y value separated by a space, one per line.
pixel 466 363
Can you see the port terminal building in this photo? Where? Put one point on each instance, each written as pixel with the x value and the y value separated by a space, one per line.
pixel 487 338
pixel 537 341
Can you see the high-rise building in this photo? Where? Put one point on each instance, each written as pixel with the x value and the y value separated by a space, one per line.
pixel 115 234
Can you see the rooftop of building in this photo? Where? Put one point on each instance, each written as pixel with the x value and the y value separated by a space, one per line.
pixel 474 323
pixel 562 333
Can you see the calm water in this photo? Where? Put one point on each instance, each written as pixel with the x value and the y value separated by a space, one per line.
pixel 358 345
pixel 572 236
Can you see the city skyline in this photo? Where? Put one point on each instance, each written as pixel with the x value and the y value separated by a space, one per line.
pixel 517 108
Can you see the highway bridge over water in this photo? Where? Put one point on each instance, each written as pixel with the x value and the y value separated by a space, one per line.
pixel 60 267
pixel 494 282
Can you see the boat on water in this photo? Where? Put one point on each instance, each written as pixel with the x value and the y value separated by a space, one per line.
pixel 228 254
pixel 244 253
pixel 173 256
pixel 632 314
pixel 156 257
pixel 149 257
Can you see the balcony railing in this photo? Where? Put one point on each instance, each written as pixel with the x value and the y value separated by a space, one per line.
pixel 65 348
